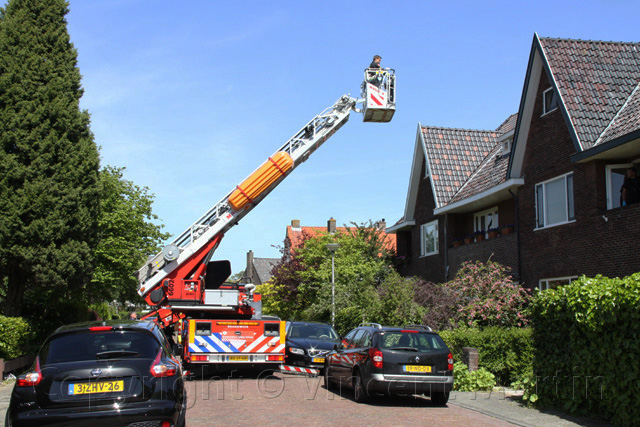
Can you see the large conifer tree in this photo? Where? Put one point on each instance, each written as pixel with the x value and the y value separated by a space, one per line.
pixel 49 161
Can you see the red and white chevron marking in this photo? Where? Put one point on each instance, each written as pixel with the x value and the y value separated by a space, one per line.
pixel 298 370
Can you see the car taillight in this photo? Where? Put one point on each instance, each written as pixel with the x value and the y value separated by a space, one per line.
pixel 159 369
pixel 100 328
pixel 31 378
pixel 275 358
pixel 376 357
pixel 450 362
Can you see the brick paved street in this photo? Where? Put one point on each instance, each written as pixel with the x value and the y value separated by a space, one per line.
pixel 286 400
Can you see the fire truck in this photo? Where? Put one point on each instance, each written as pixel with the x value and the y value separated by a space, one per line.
pixel 217 322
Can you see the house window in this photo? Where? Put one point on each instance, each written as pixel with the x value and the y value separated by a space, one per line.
pixel 550 101
pixel 554 201
pixel 483 221
pixel 429 238
pixel 506 147
pixel 544 284
pixel 615 177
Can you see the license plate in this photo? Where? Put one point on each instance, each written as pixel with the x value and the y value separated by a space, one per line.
pixel 416 368
pixel 100 387
pixel 318 360
pixel 239 358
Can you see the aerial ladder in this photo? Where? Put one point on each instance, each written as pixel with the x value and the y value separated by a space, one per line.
pixel 220 322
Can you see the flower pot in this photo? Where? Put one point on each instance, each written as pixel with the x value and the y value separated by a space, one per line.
pixel 507 230
pixel 468 240
pixel 457 243
pixel 479 237
pixel 493 234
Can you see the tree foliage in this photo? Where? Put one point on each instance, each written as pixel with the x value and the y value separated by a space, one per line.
pixel 48 160
pixel 127 236
pixel 367 288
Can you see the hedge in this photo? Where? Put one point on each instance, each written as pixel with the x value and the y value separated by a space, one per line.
pixel 505 352
pixel 587 341
pixel 15 335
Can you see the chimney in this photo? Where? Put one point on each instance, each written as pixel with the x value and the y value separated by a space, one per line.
pixel 331 226
pixel 295 224
pixel 381 225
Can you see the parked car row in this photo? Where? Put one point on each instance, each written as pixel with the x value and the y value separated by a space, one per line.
pixel 372 359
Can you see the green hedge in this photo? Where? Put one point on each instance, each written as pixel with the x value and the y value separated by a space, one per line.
pixel 15 335
pixel 505 352
pixel 587 342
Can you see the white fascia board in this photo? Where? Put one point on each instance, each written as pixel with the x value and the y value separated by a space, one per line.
pixel 414 178
pixel 511 183
pixel 507 135
pixel 400 226
pixel 520 145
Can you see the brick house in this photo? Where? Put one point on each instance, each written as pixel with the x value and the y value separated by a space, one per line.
pixel 553 172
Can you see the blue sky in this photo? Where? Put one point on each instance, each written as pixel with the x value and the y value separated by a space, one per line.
pixel 192 96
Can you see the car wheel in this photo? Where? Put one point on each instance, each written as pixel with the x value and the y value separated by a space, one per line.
pixel 328 381
pixel 440 398
pixel 360 393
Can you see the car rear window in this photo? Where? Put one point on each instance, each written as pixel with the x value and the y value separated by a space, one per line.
pixel 411 341
pixel 322 332
pixel 79 346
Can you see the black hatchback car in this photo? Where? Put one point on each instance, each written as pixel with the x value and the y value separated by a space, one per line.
pixel 113 373
pixel 376 359
pixel 308 342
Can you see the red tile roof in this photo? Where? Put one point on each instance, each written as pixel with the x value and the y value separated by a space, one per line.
pixel 597 82
pixel 297 235
pixel 465 162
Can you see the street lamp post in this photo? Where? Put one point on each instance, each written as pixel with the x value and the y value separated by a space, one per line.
pixel 333 247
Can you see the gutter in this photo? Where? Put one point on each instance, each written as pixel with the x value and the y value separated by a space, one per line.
pixel 507 185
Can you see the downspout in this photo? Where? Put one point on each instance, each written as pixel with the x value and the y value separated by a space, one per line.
pixel 446 248
pixel 518 233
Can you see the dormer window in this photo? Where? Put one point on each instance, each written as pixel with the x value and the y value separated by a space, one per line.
pixel 550 101
pixel 506 147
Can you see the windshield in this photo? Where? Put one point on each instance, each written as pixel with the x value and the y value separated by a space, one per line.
pixel 311 331
pixel 75 347
pixel 411 341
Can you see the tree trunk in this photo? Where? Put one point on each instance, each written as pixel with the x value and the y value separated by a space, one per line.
pixel 15 293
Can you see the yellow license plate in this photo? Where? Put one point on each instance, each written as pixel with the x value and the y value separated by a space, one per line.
pixel 100 387
pixel 318 360
pixel 416 368
pixel 238 358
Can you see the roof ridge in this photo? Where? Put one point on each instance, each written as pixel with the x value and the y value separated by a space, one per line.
pixel 459 129
pixel 590 41
pixel 613 120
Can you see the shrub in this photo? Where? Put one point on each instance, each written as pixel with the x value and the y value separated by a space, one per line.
pixel 505 352
pixel 487 296
pixel 15 335
pixel 480 380
pixel 586 339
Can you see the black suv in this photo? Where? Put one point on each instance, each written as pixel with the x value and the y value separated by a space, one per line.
pixel 112 373
pixel 405 360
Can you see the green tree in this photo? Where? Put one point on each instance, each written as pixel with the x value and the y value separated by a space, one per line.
pixel 127 236
pixel 49 161
pixel 301 286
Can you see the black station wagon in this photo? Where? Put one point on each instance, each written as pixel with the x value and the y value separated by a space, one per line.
pixel 404 360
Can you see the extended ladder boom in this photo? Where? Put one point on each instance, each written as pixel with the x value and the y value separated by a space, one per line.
pixel 235 205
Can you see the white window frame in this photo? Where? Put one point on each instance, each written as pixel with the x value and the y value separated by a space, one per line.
pixel 423 243
pixel 544 101
pixel 610 191
pixel 493 211
pixel 566 206
pixel 543 284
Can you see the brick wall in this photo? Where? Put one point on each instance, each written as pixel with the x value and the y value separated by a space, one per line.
pixel 429 267
pixel 592 244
